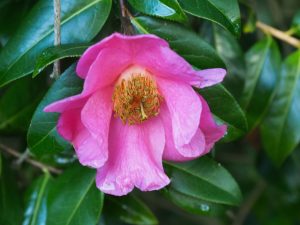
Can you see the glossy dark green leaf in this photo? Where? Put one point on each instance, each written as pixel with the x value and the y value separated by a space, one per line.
pixel 36 202
pixel 17 104
pixel 182 40
pixel 73 198
pixel 81 20
pixel 296 24
pixel 42 136
pixel 10 199
pixel 169 9
pixel 281 128
pixel 0 164
pixel 54 53
pixel 194 204
pixel 11 14
pixel 129 209
pixel 225 13
pixel 263 68
pixel 228 112
pixel 231 53
pixel 204 179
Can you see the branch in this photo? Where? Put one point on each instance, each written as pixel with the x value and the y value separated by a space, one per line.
pixel 30 161
pixel 57 36
pixel 278 34
pixel 126 25
pixel 246 207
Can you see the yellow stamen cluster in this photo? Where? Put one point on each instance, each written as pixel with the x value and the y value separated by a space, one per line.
pixel 136 99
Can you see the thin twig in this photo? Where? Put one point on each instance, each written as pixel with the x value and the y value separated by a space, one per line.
pixel 126 25
pixel 278 34
pixel 57 36
pixel 246 207
pixel 30 161
pixel 23 157
pixel 123 8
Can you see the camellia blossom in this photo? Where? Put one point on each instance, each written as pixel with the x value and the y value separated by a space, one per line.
pixel 137 108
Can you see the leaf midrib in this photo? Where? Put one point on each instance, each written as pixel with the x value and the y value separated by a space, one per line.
pixel 49 32
pixel 79 202
pixel 201 178
pixel 13 117
pixel 39 198
pixel 214 6
pixel 259 70
pixel 286 111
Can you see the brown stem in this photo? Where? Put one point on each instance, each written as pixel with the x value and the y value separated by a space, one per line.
pixel 278 34
pixel 249 203
pixel 57 36
pixel 30 161
pixel 126 25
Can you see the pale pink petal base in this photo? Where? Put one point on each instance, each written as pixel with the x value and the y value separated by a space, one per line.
pixel 135 159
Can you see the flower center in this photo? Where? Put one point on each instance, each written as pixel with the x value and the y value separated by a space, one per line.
pixel 136 98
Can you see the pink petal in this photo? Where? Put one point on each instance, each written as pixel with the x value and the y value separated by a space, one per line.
pixel 184 107
pixel 208 77
pixel 163 62
pixel 117 41
pixel 211 130
pixel 96 116
pixel 73 102
pixel 187 152
pixel 135 158
pixel 88 150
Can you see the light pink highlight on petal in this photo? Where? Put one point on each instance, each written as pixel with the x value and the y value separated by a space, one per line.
pixel 130 44
pixel 184 107
pixel 73 102
pixel 187 152
pixel 87 148
pixel 208 77
pixel 211 130
pixel 135 159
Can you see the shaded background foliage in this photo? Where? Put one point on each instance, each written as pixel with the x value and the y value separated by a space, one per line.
pixel 251 177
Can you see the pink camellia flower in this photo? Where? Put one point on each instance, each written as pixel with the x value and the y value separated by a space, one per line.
pixel 137 108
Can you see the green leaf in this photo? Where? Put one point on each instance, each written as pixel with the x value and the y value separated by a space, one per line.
pixel 17 104
pixel 296 24
pixel 232 54
pixel 73 198
pixel 130 209
pixel 42 136
pixel 204 179
pixel 194 204
pixel 182 40
pixel 54 53
pixel 0 164
pixel 281 128
pixel 228 112
pixel 81 20
pixel 168 9
pixel 225 13
pixel 10 199
pixel 263 67
pixel 11 14
pixel 36 203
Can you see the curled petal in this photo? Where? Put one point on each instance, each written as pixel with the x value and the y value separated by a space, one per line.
pixel 184 107
pixel 208 77
pixel 88 151
pixel 192 150
pixel 135 158
pixel 210 129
